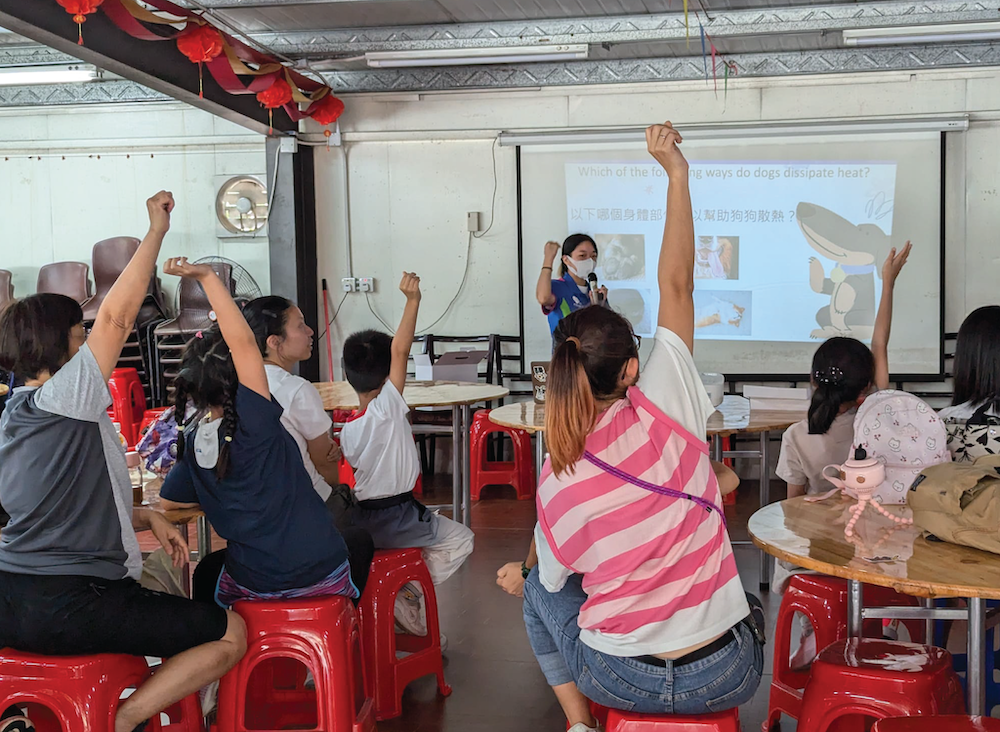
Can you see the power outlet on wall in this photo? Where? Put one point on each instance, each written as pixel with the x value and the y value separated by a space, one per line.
pixel 474 222
pixel 349 284
pixel 367 284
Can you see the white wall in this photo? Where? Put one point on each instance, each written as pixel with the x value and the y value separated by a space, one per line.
pixel 70 177
pixel 418 163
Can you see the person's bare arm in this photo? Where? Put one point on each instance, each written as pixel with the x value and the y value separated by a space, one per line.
pixel 883 321
pixel 116 317
pixel 543 290
pixel 168 505
pixel 325 456
pixel 675 273
pixel 240 339
pixel 794 491
pixel 727 477
pixel 403 340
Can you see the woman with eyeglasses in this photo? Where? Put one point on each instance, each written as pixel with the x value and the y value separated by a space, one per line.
pixel 635 602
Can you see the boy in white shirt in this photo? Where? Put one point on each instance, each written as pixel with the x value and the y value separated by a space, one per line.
pixel 379 446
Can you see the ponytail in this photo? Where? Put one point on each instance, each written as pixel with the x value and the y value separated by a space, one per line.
pixel 570 410
pixel 227 431
pixel 843 370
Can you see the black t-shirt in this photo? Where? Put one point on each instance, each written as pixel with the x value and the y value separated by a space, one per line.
pixel 280 534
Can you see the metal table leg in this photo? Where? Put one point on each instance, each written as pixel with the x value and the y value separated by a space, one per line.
pixel 204 533
pixel 717 449
pixel 854 606
pixel 929 622
pixel 975 676
pixel 186 579
pixel 539 453
pixel 765 499
pixel 456 463
pixel 466 479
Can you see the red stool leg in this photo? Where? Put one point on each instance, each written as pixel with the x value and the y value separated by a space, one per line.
pixel 728 721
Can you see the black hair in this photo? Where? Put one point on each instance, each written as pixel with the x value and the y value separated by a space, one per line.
pixel 592 347
pixel 977 358
pixel 367 358
pixel 842 370
pixel 267 316
pixel 34 334
pixel 207 378
pixel 569 246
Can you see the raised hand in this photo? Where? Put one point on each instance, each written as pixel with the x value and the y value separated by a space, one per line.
pixel 894 263
pixel 410 286
pixel 180 267
pixel 662 141
pixel 552 249
pixel 159 208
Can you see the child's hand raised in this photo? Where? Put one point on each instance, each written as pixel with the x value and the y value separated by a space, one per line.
pixel 410 286
pixel 662 141
pixel 180 267
pixel 159 208
pixel 894 263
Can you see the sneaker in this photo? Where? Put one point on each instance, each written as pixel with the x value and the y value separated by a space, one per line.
pixel 15 722
pixel 444 643
pixel 581 727
pixel 409 610
pixel 209 698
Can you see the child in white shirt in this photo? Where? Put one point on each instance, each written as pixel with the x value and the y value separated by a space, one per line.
pixel 379 447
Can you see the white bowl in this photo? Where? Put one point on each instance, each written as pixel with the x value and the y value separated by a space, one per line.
pixel 715 385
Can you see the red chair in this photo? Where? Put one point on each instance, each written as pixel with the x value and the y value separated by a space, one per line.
pixel 265 692
pixel 728 721
pixel 520 473
pixel 389 675
pixel 865 677
pixel 944 723
pixel 823 601
pixel 82 693
pixel 128 402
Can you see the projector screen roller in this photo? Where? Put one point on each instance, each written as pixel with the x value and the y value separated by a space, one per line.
pixel 790 238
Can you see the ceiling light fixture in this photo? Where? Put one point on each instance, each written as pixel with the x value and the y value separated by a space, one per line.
pixel 34 75
pixel 944 33
pixel 476 56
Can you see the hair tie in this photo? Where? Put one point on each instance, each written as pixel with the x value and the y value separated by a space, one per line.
pixel 198 335
pixel 228 438
pixel 574 339
pixel 831 376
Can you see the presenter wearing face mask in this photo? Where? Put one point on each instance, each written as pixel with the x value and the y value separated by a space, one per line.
pixel 576 287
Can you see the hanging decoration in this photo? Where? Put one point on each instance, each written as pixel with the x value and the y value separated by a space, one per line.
pixel 325 112
pixel 201 44
pixel 277 95
pixel 687 26
pixel 80 9
pixel 704 56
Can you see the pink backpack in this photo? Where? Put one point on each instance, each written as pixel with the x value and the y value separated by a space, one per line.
pixel 903 432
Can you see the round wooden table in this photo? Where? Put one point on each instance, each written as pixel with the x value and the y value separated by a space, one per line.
pixel 458 395
pixel 731 417
pixel 811 535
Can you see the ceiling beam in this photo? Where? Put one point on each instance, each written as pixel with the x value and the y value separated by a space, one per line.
pixel 621 29
pixel 158 66
pixel 692 68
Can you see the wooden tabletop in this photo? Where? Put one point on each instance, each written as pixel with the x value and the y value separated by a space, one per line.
pixel 732 416
pixel 178 517
pixel 811 535
pixel 4 389
pixel 340 394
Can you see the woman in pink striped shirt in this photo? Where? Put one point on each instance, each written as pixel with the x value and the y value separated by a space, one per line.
pixel 636 602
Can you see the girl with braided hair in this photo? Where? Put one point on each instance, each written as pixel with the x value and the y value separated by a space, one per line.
pixel 237 461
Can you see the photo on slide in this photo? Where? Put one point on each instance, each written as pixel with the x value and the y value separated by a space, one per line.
pixel 717 258
pixel 621 257
pixel 632 304
pixel 722 312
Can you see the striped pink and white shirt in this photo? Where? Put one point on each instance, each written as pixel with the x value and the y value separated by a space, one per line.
pixel 659 572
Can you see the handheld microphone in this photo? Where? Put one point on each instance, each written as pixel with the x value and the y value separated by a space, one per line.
pixel 592 279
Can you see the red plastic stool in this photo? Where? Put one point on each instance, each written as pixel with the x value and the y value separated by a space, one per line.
pixel 866 677
pixel 728 721
pixel 823 601
pixel 184 716
pixel 389 675
pixel 80 693
pixel 520 473
pixel 943 723
pixel 266 690
pixel 128 402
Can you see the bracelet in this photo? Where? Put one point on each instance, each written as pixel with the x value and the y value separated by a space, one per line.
pixel 524 570
pixel 548 268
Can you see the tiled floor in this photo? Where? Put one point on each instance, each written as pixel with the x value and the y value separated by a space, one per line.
pixel 496 683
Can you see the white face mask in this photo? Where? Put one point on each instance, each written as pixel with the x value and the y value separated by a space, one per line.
pixel 206 444
pixel 582 267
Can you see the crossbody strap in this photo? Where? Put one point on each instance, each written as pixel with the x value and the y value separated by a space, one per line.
pixel 662 490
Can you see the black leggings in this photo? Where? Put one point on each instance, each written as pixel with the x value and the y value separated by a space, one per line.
pixel 360 551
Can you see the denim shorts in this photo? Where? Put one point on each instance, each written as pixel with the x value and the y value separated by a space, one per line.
pixel 723 680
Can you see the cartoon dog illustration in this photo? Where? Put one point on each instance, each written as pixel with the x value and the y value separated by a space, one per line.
pixel 856 251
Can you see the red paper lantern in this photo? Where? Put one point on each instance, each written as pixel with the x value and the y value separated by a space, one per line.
pixel 327 110
pixel 80 9
pixel 277 95
pixel 200 44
